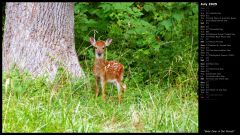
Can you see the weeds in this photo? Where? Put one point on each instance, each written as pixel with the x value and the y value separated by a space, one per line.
pixel 29 105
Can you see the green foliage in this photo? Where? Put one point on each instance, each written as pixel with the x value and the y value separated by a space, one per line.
pixel 3 16
pixel 150 38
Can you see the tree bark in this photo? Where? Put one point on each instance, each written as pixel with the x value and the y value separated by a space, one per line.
pixel 39 38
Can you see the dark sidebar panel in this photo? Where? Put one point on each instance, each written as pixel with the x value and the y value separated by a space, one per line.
pixel 218 66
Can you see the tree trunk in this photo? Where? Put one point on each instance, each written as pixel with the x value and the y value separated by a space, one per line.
pixel 39 38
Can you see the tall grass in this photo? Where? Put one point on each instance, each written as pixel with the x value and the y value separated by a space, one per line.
pixel 36 105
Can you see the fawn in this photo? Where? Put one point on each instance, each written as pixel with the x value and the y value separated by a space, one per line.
pixel 107 71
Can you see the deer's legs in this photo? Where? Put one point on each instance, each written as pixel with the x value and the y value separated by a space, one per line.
pixel 97 90
pixel 123 87
pixel 120 90
pixel 103 83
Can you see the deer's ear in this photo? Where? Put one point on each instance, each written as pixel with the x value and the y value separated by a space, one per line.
pixel 108 41
pixel 92 41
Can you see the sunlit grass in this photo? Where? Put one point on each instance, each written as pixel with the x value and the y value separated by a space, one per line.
pixel 36 106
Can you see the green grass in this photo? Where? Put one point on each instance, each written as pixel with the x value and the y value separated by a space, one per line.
pixel 65 106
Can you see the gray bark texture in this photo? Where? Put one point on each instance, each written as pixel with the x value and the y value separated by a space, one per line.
pixel 39 37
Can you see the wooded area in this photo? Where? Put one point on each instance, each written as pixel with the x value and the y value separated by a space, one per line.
pixel 153 40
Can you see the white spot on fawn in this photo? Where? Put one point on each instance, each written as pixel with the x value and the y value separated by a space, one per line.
pixel 108 66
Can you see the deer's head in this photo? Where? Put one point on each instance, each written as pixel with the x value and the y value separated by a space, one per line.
pixel 100 46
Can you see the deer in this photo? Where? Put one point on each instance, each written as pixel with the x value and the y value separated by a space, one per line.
pixel 106 71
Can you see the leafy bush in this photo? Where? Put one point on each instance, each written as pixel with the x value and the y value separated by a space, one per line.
pixel 157 40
